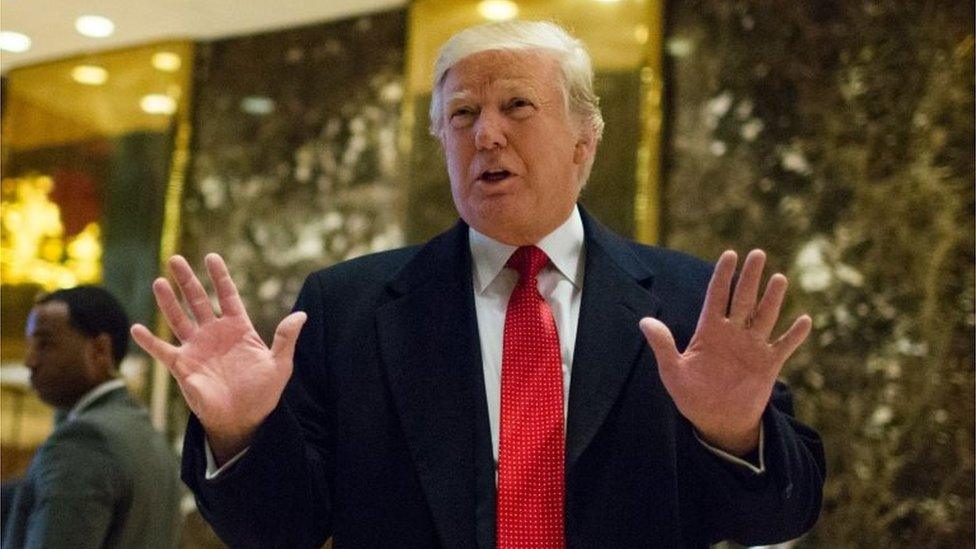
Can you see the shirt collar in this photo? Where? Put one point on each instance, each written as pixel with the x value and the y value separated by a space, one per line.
pixel 564 246
pixel 91 396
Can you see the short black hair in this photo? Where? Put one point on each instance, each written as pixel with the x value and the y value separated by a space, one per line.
pixel 92 310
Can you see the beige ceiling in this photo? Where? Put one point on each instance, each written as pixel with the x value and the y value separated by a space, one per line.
pixel 50 23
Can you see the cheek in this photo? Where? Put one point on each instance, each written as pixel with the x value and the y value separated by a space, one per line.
pixel 458 163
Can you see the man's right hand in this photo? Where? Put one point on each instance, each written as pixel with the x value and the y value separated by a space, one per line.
pixel 230 379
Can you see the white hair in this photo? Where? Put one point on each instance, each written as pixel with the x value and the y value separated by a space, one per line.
pixel 568 51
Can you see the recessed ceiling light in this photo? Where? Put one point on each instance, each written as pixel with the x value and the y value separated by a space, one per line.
pixel 158 103
pixel 498 10
pixel 95 26
pixel 92 75
pixel 167 61
pixel 14 42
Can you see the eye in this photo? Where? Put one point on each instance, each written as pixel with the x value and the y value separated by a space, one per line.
pixel 519 106
pixel 461 116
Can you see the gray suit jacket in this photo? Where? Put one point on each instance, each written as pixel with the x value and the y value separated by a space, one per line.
pixel 105 478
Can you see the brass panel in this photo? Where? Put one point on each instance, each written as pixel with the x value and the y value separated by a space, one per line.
pixel 46 106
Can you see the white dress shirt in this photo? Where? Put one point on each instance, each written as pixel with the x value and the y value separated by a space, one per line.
pixel 561 285
pixel 92 395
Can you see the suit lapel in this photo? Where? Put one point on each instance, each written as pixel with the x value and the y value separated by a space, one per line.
pixel 608 341
pixel 429 343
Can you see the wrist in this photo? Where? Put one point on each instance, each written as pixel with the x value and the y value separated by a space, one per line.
pixel 225 446
pixel 737 443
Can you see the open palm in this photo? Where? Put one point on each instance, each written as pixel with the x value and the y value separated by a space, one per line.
pixel 723 380
pixel 230 379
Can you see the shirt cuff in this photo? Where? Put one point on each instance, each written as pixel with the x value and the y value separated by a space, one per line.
pixel 727 456
pixel 212 470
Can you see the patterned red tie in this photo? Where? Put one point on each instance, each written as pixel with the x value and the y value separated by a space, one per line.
pixel 531 447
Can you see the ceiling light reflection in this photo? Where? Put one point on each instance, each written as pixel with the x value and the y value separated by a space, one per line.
pixel 498 10
pixel 167 61
pixel 642 33
pixel 158 103
pixel 258 105
pixel 91 75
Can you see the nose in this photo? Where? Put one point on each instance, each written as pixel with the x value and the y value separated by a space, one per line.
pixel 490 130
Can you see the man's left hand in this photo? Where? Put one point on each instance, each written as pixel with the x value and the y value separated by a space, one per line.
pixel 723 380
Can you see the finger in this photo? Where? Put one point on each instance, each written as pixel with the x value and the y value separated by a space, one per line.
pixel 182 327
pixel 286 335
pixel 767 312
pixel 744 298
pixel 192 290
pixel 158 349
pixel 717 296
pixel 227 295
pixel 659 337
pixel 793 338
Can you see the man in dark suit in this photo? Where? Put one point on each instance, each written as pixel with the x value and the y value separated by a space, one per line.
pixel 105 477
pixel 526 379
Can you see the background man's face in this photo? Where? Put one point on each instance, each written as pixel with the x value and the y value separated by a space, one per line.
pixel 512 148
pixel 58 355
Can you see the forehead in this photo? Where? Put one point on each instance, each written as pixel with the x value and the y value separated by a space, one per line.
pixel 503 69
pixel 48 317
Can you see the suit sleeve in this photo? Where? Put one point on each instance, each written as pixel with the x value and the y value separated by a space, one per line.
pixel 77 486
pixel 779 505
pixel 279 493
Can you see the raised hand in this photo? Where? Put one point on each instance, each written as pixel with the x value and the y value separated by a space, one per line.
pixel 230 379
pixel 723 380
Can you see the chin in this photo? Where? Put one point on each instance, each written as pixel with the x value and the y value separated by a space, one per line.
pixel 500 223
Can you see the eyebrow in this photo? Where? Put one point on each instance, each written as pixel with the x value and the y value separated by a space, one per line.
pixel 515 87
pixel 458 96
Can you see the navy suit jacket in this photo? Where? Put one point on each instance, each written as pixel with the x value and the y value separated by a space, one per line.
pixel 382 438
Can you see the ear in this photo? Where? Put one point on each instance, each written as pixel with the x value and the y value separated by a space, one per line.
pixel 585 148
pixel 100 361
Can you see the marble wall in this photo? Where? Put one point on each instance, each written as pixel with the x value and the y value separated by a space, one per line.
pixel 839 137
pixel 294 162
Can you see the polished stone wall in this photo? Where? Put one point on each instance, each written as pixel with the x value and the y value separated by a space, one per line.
pixel 838 136
pixel 294 159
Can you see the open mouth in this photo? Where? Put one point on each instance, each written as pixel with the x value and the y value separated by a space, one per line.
pixel 494 176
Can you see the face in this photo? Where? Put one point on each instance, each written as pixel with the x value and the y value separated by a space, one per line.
pixel 515 156
pixel 64 362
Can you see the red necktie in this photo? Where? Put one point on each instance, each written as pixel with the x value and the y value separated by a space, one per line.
pixel 531 447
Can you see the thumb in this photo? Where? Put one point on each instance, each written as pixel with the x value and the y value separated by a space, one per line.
pixel 661 341
pixel 286 335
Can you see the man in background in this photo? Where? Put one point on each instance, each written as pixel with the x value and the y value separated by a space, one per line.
pixel 105 477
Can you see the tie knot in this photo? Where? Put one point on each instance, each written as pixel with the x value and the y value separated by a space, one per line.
pixel 528 261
